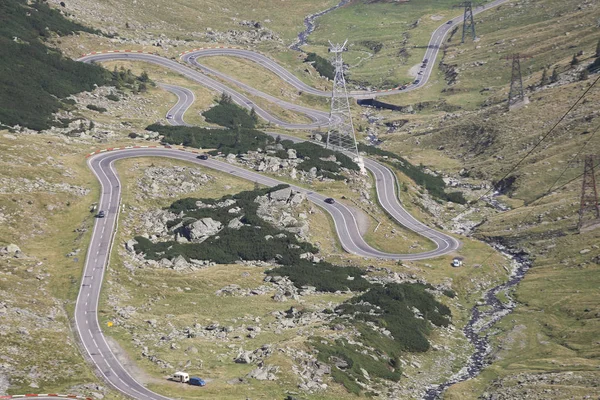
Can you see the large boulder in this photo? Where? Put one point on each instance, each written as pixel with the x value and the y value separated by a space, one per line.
pixel 244 357
pixel 130 245
pixel 235 223
pixel 12 249
pixel 203 228
pixel 264 373
pixel 179 263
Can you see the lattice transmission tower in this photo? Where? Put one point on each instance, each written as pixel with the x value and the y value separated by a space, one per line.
pixel 468 21
pixel 589 211
pixel 340 135
pixel 516 93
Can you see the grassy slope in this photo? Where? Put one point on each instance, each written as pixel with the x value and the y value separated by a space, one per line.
pixel 185 18
pixel 46 282
pixel 388 23
pixel 540 335
pixel 479 77
pixel 216 356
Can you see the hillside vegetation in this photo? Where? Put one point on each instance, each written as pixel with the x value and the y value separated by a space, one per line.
pixel 34 77
pixel 407 311
pixel 545 348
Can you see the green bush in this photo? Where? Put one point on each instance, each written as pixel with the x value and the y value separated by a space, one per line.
pixel 124 78
pixel 229 115
pixel 393 308
pixel 112 97
pixel 390 307
pixel 324 276
pixel 227 141
pixel 230 245
pixel 322 65
pixel 312 153
pixel 372 45
pixel 34 77
pixel 384 368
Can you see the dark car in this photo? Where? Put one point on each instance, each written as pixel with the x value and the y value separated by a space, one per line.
pixel 449 22
pixel 101 214
pixel 202 157
pixel 416 82
pixel 195 381
pixel 329 200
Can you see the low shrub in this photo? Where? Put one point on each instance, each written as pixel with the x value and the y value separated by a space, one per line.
pixel 230 115
pixel 34 77
pixel 230 245
pixel 392 306
pixel 322 65
pixel 323 276
pixel 227 141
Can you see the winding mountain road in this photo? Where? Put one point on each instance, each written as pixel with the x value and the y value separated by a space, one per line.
pixel 345 218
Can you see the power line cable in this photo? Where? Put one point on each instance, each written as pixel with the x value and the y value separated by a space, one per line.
pixel 542 139
pixel 471 204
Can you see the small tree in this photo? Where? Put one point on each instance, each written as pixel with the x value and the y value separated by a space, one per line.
pixel 584 74
pixel 144 77
pixel 253 115
pixel 574 60
pixel 225 99
pixel 92 125
pixel 554 76
pixel 595 67
pixel 278 139
pixel 545 80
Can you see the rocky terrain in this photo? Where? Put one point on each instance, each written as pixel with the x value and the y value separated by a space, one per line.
pixel 178 342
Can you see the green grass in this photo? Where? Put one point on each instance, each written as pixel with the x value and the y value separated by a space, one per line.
pixel 182 20
pixel 40 289
pixel 386 26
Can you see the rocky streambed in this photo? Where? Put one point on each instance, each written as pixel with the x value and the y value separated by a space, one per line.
pixel 484 316
pixel 309 23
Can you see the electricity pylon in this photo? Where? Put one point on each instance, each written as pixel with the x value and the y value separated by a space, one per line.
pixel 468 22
pixel 516 93
pixel 341 130
pixel 589 211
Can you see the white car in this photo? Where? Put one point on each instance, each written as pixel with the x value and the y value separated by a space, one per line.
pixel 169 116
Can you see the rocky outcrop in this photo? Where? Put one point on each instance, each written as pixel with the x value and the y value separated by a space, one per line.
pixel 264 373
pixel 248 357
pixel 203 228
pixel 170 182
pixel 280 208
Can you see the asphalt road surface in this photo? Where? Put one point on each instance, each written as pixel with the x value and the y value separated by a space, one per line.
pixel 185 99
pixel 102 165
